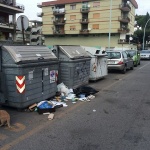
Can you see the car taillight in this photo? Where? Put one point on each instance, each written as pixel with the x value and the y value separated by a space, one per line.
pixel 120 62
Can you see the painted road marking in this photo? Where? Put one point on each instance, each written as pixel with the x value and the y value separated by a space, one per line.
pixel 143 66
pixel 17 127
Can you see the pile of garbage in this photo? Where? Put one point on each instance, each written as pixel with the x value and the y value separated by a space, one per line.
pixel 63 94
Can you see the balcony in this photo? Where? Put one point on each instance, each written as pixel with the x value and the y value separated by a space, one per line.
pixel 39 5
pixel 84 21
pixel 59 12
pixel 11 8
pixel 5 26
pixel 124 19
pixel 125 7
pixel 85 10
pixel 123 30
pixel 120 41
pixel 40 14
pixel 59 22
pixel 59 32
pixel 84 31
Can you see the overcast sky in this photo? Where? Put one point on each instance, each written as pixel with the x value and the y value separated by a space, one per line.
pixel 31 8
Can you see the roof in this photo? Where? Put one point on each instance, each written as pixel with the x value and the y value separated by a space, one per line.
pixel 115 51
pixel 134 3
pixel 58 2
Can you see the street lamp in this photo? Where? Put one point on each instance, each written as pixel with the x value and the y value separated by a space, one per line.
pixel 110 16
pixel 144 32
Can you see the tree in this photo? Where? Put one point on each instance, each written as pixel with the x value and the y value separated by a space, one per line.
pixel 141 21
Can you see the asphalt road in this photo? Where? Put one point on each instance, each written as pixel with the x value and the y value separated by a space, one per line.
pixel 121 120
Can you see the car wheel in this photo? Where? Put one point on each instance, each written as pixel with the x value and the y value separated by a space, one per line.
pixel 135 64
pixel 139 63
pixel 124 70
pixel 132 67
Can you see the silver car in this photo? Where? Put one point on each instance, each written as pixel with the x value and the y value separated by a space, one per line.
pixel 145 54
pixel 119 60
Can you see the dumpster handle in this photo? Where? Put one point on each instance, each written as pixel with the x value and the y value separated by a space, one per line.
pixel 41 58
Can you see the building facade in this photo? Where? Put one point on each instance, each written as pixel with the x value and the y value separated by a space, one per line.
pixel 8 11
pixel 33 34
pixel 97 23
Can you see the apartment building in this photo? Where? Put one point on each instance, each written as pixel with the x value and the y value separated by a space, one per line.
pixel 33 34
pixel 8 11
pixel 97 23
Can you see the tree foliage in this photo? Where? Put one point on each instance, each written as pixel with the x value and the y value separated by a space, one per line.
pixel 141 21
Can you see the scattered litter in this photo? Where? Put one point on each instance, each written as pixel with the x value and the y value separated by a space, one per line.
pixel 91 96
pixel 46 113
pixel 55 103
pixel 51 116
pixel 32 107
pixel 63 95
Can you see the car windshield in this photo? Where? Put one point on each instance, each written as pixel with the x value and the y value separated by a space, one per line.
pixel 114 55
pixel 132 52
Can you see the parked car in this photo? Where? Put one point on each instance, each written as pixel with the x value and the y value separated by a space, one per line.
pixel 119 60
pixel 145 54
pixel 135 54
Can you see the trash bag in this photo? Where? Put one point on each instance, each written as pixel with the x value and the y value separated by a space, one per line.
pixel 44 105
pixel 63 88
pixel 87 90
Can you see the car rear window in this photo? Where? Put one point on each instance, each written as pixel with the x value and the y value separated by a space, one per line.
pixel 132 53
pixel 114 55
pixel 146 51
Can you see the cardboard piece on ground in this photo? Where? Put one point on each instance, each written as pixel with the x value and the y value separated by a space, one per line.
pixel 31 108
pixel 50 116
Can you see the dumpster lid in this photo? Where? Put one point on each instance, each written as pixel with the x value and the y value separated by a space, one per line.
pixel 30 53
pixel 74 51
pixel 95 51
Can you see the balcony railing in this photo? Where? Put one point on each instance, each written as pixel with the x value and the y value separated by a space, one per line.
pixel 120 41
pixel 84 21
pixel 16 5
pixel 125 7
pixel 59 12
pixel 123 30
pixel 59 32
pixel 7 25
pixel 124 19
pixel 59 22
pixel 84 31
pixel 85 10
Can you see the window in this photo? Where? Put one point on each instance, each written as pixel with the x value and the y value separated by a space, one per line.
pixel 72 27
pixel 96 15
pixel 96 4
pixel 73 17
pixel 73 6
pixel 114 55
pixel 95 26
